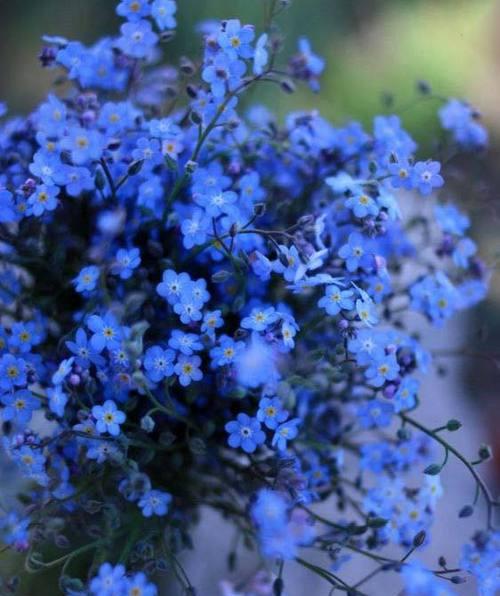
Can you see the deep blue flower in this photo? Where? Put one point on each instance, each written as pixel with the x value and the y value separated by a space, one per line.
pixel 87 279
pixel 158 363
pixel 7 207
pixel 155 502
pixel 186 343
pixel 23 336
pixel 84 145
pixel 63 370
pixel 43 199
pixel 223 74
pixel 76 180
pixel 336 300
pixel 172 285
pixel 133 10
pixel 57 400
pixel 245 432
pixel 226 352
pixel 126 261
pixel 19 406
pixel 106 332
pixel 83 351
pixel 46 166
pixel 12 372
pixel 187 369
pixel 236 39
pixel 108 418
pixel 137 39
pixel 109 581
pixel 271 412
pixel 163 13
pixel 260 318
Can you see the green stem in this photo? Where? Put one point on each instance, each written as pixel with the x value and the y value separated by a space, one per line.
pixel 490 502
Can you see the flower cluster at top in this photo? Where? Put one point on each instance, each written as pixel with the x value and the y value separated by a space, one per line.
pixel 206 306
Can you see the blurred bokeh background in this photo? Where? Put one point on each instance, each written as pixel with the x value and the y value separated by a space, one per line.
pixel 375 50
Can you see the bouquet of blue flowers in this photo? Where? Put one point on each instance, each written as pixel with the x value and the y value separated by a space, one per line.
pixel 201 308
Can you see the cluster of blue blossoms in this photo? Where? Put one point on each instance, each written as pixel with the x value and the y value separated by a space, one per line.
pixel 205 308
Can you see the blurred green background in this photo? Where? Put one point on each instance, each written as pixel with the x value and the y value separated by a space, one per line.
pixel 372 48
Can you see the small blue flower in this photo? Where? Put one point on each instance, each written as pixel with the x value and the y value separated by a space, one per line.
pixel 63 371
pixel 245 432
pixel 405 397
pixel 87 279
pixel 43 199
pixel 84 145
pixel 187 343
pixel 83 351
pixel 235 39
pixel 401 173
pixel 187 369
pixel 382 370
pixel 451 220
pixel 109 581
pixel 271 412
pixel 108 418
pixel 188 309
pixel 76 180
pixel 172 285
pixel 260 318
pixel 106 332
pixel 137 39
pixel 212 320
pixel 367 311
pixel 464 250
pixel 462 121
pixel 158 363
pixel 46 166
pixel 7 207
pixel 306 65
pixel 138 585
pixel 284 433
pixel 362 205
pixel 155 502
pixel 13 372
pixel 336 300
pixel 133 10
pixel 426 177
pixel 217 203
pixel 195 229
pixel 23 336
pixel 354 252
pixel 375 414
pixel 126 261
pixel 223 74
pixel 270 510
pixel 163 13
pixel 57 400
pixel 226 352
pixel 261 55
pixel 19 406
